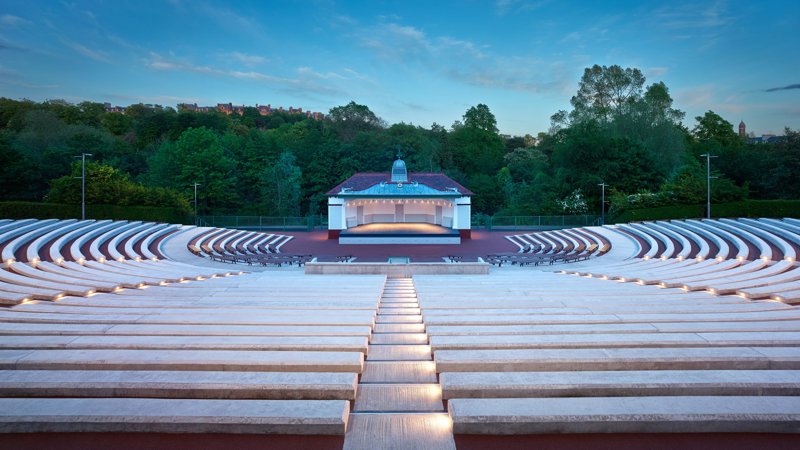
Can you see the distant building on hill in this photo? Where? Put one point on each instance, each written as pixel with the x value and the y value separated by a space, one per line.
pixel 742 130
pixel 264 110
pixel 766 139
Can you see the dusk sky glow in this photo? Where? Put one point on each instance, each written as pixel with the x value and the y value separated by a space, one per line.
pixel 414 61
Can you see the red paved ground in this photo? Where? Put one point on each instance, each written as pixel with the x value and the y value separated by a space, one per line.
pixel 326 250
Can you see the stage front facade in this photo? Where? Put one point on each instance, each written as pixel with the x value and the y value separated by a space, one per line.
pixel 399 207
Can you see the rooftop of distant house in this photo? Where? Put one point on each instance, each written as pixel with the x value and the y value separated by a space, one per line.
pixel 227 108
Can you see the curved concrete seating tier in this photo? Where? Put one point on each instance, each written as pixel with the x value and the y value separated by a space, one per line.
pixel 764 263
pixel 662 330
pixel 549 247
pixel 174 347
pixel 519 354
pixel 248 247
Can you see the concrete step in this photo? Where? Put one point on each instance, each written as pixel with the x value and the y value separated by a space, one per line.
pixel 394 305
pixel 399 431
pixel 399 372
pixel 399 398
pixel 399 328
pixel 176 384
pixel 713 414
pixel 401 318
pixel 394 338
pixel 398 311
pixel 120 415
pixel 399 353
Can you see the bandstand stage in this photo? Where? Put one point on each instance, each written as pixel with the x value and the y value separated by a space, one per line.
pixel 399 233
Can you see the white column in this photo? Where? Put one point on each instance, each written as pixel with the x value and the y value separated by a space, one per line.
pixel 337 218
pixel 462 213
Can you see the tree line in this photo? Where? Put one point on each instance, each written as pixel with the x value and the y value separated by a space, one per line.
pixel 620 132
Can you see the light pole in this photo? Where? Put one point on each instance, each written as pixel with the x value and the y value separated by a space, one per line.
pixel 708 183
pixel 603 187
pixel 195 201
pixel 83 183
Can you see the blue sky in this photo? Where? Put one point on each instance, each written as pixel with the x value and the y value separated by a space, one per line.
pixel 413 61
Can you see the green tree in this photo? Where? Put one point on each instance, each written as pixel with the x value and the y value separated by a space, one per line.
pixel 352 119
pixel 604 91
pixel 281 187
pixel 480 117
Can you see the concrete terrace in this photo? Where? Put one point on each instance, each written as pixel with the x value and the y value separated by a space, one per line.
pixel 678 334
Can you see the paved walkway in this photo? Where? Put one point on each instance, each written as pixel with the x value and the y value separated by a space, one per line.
pixel 326 250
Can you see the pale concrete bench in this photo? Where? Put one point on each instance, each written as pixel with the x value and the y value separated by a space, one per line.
pixel 252 343
pixel 207 319
pixel 176 384
pixel 13 298
pixel 607 328
pixel 89 307
pixel 619 383
pixel 700 358
pixel 789 297
pixel 617 340
pixel 705 414
pixel 204 360
pixel 10 328
pixel 520 319
pixel 33 292
pixel 85 275
pixel 28 282
pixel 75 415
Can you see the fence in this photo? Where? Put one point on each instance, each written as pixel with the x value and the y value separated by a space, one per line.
pixel 306 223
pixel 479 221
pixel 533 222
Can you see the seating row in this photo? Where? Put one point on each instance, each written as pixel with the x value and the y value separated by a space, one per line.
pixel 537 353
pixel 752 258
pixel 550 247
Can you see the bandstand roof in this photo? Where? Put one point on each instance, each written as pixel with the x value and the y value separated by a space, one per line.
pixel 420 184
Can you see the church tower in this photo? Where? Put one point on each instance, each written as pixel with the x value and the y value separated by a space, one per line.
pixel 742 130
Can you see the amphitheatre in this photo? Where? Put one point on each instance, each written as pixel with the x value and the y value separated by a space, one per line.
pixel 679 333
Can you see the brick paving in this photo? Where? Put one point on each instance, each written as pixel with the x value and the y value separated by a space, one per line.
pixel 326 250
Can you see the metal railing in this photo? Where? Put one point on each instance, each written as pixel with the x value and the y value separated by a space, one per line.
pixel 479 221
pixel 283 223
pixel 533 222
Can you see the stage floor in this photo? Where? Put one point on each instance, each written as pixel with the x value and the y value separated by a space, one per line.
pixel 399 229
pixel 399 233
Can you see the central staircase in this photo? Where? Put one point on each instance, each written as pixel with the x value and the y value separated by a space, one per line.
pixel 399 400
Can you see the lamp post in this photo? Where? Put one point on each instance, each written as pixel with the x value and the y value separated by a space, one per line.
pixel 603 187
pixel 708 183
pixel 195 201
pixel 83 183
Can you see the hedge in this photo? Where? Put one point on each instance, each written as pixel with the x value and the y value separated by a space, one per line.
pixel 34 210
pixel 746 208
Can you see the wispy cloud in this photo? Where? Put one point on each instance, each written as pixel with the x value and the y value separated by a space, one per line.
pixel 96 55
pixel 225 18
pixel 504 7
pixel 301 85
pixel 11 20
pixel 155 99
pixel 247 60
pixel 783 88
pixel 14 78
pixel 655 72
pixel 462 60
pixel 694 16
